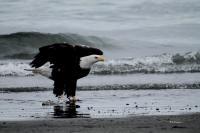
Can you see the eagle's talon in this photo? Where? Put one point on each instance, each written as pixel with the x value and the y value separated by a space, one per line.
pixel 73 99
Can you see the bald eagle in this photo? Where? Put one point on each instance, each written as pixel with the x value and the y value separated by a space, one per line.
pixel 68 63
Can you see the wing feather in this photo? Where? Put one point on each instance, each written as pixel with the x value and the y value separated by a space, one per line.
pixel 55 54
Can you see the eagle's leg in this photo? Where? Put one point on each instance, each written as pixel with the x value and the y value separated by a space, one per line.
pixel 71 92
pixel 59 89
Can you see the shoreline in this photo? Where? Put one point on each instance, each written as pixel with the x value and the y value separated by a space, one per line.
pixel 168 124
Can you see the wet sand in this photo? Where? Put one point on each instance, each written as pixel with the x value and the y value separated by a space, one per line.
pixel 138 124
pixel 116 111
pixel 99 104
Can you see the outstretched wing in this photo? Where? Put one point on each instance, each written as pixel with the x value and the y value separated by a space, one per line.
pixel 83 50
pixel 62 54
pixel 55 54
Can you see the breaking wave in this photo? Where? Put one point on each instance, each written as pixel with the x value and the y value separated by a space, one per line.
pixel 24 45
pixel 14 68
pixel 165 63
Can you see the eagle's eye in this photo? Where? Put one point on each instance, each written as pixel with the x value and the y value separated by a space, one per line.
pixel 96 57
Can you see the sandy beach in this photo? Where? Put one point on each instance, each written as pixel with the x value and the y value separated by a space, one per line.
pixel 138 124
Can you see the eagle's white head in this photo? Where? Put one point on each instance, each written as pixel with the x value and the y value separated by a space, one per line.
pixel 86 62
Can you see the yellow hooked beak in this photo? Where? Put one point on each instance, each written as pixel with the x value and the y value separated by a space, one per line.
pixel 101 58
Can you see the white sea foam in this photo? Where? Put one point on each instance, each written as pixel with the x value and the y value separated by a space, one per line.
pixel 14 68
pixel 165 63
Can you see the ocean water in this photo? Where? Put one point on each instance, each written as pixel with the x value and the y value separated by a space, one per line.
pixel 149 39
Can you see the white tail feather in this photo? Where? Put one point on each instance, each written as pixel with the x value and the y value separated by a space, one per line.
pixel 44 71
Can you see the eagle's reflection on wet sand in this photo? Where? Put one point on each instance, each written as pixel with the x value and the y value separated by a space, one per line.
pixel 68 111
